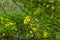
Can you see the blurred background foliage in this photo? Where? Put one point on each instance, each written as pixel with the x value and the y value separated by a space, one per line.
pixel 29 19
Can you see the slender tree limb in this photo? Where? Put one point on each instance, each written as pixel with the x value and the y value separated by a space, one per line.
pixel 19 6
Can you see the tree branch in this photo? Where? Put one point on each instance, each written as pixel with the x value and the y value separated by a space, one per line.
pixel 19 6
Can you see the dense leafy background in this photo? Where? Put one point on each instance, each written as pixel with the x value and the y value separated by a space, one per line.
pixel 30 19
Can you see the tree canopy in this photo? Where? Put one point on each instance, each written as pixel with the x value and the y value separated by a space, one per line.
pixel 30 19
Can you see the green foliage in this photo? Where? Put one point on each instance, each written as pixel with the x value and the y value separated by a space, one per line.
pixel 30 19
